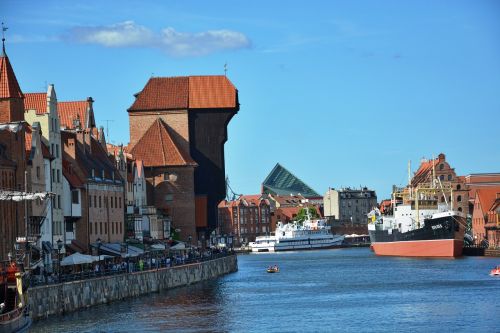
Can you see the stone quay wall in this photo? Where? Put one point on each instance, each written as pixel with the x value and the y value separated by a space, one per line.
pixel 70 296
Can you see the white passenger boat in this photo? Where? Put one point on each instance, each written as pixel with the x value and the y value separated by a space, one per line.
pixel 310 234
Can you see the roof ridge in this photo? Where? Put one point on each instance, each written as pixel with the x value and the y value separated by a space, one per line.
pixel 175 144
pixel 158 121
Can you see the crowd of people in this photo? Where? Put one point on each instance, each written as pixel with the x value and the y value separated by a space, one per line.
pixel 119 265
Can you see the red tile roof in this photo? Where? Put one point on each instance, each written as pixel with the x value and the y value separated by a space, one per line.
pixel 70 175
pixel 27 140
pixel 193 92
pixel 422 172
pixel 158 148
pixel 35 101
pixel 487 197
pixel 211 92
pixel 45 151
pixel 9 88
pixel 69 111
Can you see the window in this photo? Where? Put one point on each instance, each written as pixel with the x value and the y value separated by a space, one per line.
pixel 165 176
pixel 90 201
pixel 100 228
pixel 59 201
pixel 111 202
pixel 74 197
pixel 58 176
pixel 57 150
pixel 459 198
pixel 52 149
pixel 120 202
pixel 449 177
pixel 100 204
pixel 459 209
pixel 169 197
pixel 95 201
pixel 116 201
pixel 459 187
pixel 112 227
pixel 105 228
pixel 441 166
pixel 441 177
pixel 90 228
pixel 37 172
pixel 53 175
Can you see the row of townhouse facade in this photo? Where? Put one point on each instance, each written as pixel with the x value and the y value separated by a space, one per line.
pixel 250 216
pixel 167 181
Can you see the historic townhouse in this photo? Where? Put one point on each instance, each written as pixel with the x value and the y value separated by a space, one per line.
pixel 12 156
pixel 99 186
pixel 42 108
pixel 245 218
pixel 459 198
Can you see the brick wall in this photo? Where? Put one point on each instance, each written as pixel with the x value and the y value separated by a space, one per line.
pixel 176 198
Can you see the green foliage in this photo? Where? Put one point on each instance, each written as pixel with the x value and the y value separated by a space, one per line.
pixel 302 214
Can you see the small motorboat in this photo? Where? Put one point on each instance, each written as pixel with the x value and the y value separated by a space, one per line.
pixel 273 269
pixel 495 271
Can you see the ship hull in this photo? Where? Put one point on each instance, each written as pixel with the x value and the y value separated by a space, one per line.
pixel 440 237
pixel 420 248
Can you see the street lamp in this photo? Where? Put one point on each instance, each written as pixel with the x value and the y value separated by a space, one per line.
pixel 59 247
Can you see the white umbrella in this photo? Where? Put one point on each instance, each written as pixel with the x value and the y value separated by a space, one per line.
pixel 179 246
pixel 76 259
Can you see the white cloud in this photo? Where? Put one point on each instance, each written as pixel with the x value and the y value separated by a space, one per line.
pixel 130 34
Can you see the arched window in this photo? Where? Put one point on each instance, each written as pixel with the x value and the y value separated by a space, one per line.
pixel 459 209
pixel 441 177
pixel 449 177
pixel 459 198
pixel 442 199
pixel 441 166
pixel 459 187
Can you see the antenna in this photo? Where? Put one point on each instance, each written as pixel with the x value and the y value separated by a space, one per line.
pixel 4 29
pixel 107 127
pixel 225 68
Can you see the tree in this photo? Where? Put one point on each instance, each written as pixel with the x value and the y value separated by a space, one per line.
pixel 302 214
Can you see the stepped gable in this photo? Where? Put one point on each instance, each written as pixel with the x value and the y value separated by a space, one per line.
pixel 9 88
pixel 157 148
pixel 36 101
pixel 282 182
pixel 186 92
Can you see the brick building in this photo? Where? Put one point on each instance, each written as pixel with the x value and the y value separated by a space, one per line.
pixel 193 113
pixel 483 215
pixel 12 155
pixel 245 218
pixel 90 170
pixel 459 196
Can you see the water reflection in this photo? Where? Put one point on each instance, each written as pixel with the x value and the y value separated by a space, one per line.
pixel 349 290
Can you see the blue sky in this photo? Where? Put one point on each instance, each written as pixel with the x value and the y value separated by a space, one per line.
pixel 342 93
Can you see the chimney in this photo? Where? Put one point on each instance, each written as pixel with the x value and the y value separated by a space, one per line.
pixel 81 137
pixel 70 148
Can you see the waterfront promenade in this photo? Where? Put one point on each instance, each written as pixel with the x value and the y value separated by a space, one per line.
pixel 341 290
pixel 100 288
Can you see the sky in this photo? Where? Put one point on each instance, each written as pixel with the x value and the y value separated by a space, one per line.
pixel 341 93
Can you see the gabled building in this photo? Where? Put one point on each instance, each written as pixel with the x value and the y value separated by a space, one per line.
pixel 441 169
pixel 42 108
pixel 169 172
pixel 102 192
pixel 245 218
pixel 12 156
pixel 196 110
pixel 492 225
pixel 484 199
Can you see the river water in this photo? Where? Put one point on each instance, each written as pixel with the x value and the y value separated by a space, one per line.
pixel 345 290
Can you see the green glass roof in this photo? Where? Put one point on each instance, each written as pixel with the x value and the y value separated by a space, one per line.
pixel 282 182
